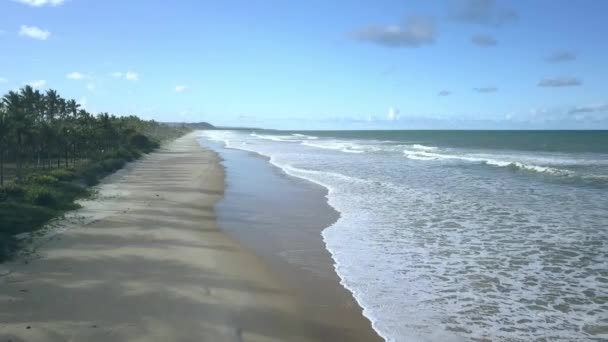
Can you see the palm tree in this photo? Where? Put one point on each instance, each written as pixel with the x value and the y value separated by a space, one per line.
pixel 49 135
pixel 20 123
pixel 4 132
pixel 37 127
pixel 72 117
pixel 33 106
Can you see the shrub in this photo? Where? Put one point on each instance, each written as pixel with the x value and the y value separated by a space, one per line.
pixel 40 195
pixel 12 191
pixel 135 154
pixel 143 143
pixel 42 179
pixel 8 245
pixel 92 173
pixel 90 178
pixel 123 153
pixel 20 218
pixel 70 189
pixel 94 168
pixel 63 174
pixel 113 164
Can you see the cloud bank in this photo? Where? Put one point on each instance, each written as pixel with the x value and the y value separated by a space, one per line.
pixel 590 109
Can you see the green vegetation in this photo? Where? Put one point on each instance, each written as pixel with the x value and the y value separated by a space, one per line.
pixel 51 150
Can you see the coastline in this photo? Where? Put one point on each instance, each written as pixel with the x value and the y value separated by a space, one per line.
pixel 285 230
pixel 153 266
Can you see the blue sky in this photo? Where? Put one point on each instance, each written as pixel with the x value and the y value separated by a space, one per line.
pixel 318 64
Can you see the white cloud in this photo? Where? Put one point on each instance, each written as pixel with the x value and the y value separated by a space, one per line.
pixel 414 32
pixel 3 80
pixel 131 76
pixel 91 86
pixel 76 76
pixel 34 32
pixel 181 88
pixel 40 3
pixel 590 109
pixel 393 114
pixel 37 83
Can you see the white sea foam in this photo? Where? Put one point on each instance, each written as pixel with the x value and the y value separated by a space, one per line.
pixel 424 148
pixel 283 138
pixel 310 137
pixel 421 155
pixel 333 145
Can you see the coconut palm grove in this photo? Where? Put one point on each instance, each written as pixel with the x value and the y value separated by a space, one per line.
pixel 52 149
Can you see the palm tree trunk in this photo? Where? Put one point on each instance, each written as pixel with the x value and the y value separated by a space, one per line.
pixel 1 167
pixel 18 156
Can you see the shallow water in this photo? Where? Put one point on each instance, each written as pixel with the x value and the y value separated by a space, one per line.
pixel 461 235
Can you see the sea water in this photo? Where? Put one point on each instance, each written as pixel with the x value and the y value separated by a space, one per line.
pixel 461 235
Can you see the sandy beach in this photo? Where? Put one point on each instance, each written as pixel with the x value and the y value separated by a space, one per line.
pixel 152 265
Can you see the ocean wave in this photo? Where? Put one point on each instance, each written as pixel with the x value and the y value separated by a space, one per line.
pixel 281 138
pixel 338 146
pixel 309 137
pixel 218 136
pixel 421 155
pixel 424 147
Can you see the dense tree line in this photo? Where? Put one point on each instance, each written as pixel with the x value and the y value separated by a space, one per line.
pixel 51 149
pixel 42 131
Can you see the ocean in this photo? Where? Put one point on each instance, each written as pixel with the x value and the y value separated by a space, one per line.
pixel 461 235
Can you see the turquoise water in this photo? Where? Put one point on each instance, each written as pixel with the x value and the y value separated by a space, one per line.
pixel 549 141
pixel 460 235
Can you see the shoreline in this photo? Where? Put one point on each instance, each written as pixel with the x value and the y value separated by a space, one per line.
pixel 303 260
pixel 154 267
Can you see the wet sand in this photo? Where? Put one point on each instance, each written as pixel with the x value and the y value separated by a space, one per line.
pixel 280 218
pixel 150 264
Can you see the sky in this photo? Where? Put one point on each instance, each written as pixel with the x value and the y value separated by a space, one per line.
pixel 317 64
